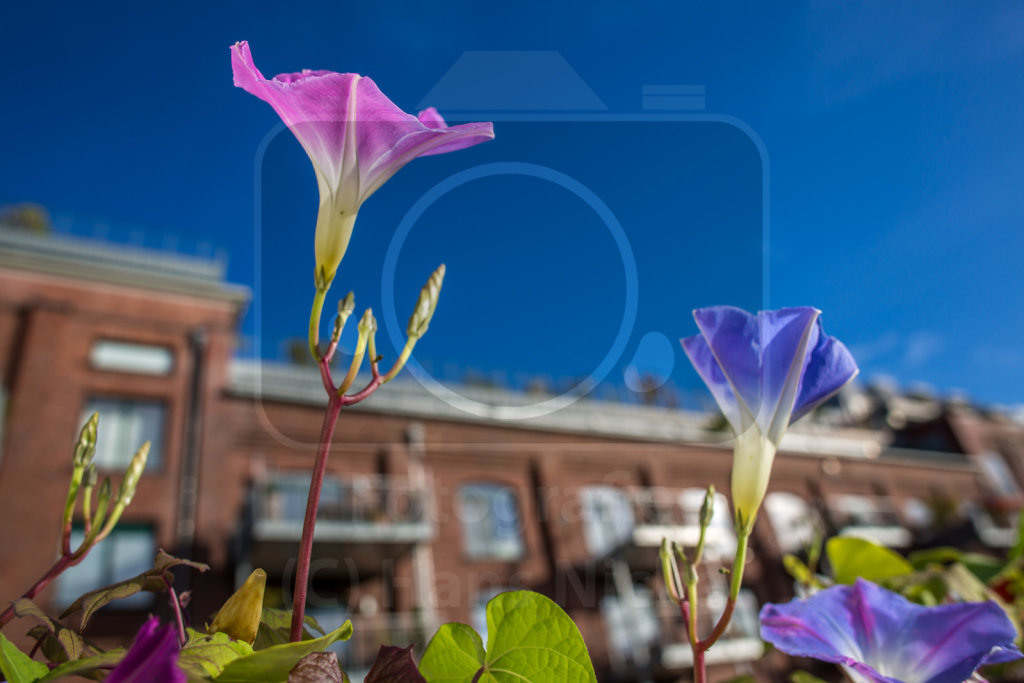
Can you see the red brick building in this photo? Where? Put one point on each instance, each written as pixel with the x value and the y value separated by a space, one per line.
pixel 429 508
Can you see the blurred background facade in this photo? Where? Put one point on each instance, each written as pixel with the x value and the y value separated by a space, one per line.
pixel 428 511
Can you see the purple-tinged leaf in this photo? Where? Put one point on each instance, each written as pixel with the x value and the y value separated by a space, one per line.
pixel 317 667
pixel 394 665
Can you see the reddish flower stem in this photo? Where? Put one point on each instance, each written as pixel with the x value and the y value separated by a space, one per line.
pixel 176 604
pixel 723 623
pixel 334 404
pixel 66 560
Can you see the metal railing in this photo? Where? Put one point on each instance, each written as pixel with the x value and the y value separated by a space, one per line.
pixel 356 499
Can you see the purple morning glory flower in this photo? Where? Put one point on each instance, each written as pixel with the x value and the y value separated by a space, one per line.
pixel 878 635
pixel 764 371
pixel 153 657
pixel 355 136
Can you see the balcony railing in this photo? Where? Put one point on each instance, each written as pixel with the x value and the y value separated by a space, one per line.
pixel 870 518
pixel 640 518
pixel 352 509
pixel 647 634
pixel 741 641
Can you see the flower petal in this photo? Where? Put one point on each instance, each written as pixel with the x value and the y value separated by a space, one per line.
pixel 153 657
pixel 762 357
pixel 829 366
pixel 697 349
pixel 885 637
pixel 431 118
pixel 317 107
pixel 733 339
pixel 396 138
pixel 785 335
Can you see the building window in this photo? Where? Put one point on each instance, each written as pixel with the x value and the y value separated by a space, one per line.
pixel 125 424
pixel 631 623
pixel 918 513
pixel 792 520
pixel 607 519
pixel 490 521
pixel 127 552
pixel 142 359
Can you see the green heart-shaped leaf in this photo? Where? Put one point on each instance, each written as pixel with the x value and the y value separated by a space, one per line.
pixel 530 640
pixel 854 557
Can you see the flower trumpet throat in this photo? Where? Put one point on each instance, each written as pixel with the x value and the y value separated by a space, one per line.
pixel 752 459
pixel 240 615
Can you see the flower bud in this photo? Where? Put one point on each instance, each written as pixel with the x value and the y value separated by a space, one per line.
pixel 132 475
pixel 419 321
pixel 669 571
pixel 102 503
pixel 240 615
pixel 345 308
pixel 85 448
pixel 367 323
pixel 707 508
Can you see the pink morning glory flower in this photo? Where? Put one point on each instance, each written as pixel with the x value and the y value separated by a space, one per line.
pixel 878 635
pixel 764 371
pixel 356 138
pixel 153 657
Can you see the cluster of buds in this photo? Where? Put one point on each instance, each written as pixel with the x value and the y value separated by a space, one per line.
pixel 682 587
pixel 366 342
pixel 100 522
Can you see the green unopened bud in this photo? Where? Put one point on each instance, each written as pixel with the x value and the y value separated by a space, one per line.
pixel 85 447
pixel 367 323
pixel 132 475
pixel 419 321
pixel 102 503
pixel 240 615
pixel 345 309
pixel 669 571
pixel 680 553
pixel 707 509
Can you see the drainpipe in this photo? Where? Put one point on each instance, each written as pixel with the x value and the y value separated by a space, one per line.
pixel 188 493
pixel 422 553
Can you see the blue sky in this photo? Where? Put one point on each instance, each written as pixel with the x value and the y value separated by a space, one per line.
pixel 892 134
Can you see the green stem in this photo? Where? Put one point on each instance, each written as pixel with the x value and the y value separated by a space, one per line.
pixel 742 537
pixel 400 363
pixel 314 323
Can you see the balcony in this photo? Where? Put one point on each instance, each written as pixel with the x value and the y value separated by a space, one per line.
pixel 650 633
pixel 741 642
pixel 996 524
pixel 362 521
pixel 632 523
pixel 871 518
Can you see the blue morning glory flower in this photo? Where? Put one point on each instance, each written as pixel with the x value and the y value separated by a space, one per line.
pixel 153 657
pixel 764 371
pixel 878 635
